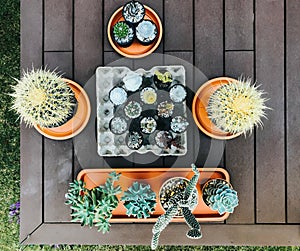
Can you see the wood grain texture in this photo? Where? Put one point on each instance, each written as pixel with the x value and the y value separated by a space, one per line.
pixel 178 32
pixel 88 37
pixel 57 176
pixel 270 159
pixel 239 18
pixel 30 140
pixel 58 25
pixel 174 234
pixel 209 37
pixel 293 104
pixel 240 151
pixel 60 62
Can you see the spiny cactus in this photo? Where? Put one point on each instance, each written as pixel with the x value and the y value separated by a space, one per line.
pixel 184 201
pixel 95 205
pixel 237 107
pixel 42 97
pixel 220 196
pixel 121 29
pixel 139 200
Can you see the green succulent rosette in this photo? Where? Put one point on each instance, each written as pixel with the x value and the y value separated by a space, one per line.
pixel 139 200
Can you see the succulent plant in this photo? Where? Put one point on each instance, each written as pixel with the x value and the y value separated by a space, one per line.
pixel 139 200
pixel 42 97
pixel 148 125
pixel 181 200
pixel 219 195
pixel 132 81
pixel 163 80
pixel 118 96
pixel 179 124
pixel 148 95
pixel 133 109
pixel 165 109
pixel 178 93
pixel 237 107
pixel 95 205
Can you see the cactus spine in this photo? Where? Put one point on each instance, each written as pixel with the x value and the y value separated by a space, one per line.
pixel 42 97
pixel 237 107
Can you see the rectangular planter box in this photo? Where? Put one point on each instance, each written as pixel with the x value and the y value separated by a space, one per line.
pixel 156 177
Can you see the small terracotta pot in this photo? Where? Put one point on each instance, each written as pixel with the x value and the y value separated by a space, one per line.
pixel 200 104
pixel 77 123
pixel 210 182
pixel 169 183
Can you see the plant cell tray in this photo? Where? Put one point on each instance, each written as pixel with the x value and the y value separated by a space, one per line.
pixel 113 145
pixel 156 177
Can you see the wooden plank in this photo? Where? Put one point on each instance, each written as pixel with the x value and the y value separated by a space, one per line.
pixel 58 25
pixel 209 37
pixel 240 151
pixel 111 58
pixel 60 61
pixel 178 32
pixel 30 139
pixel 174 234
pixel 110 6
pixel 270 159
pixel 293 104
pixel 57 156
pixel 88 37
pixel 239 19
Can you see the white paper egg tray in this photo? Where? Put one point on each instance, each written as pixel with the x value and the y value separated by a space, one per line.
pixel 111 145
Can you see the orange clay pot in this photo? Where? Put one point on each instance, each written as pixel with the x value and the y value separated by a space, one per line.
pixel 200 104
pixel 155 177
pixel 136 50
pixel 77 123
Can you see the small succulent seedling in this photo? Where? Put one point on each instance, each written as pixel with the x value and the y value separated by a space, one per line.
pixel 139 200
pixel 164 77
pixel 220 196
pixel 237 107
pixel 42 97
pixel 95 206
pixel 183 201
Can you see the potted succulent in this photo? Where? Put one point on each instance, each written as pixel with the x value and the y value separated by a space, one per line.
pixel 182 201
pixel 219 195
pixel 224 108
pixel 95 206
pixel 139 200
pixel 48 102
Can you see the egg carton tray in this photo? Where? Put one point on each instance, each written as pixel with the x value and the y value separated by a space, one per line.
pixel 112 145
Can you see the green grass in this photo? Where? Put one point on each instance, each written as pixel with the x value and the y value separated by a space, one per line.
pixel 10 148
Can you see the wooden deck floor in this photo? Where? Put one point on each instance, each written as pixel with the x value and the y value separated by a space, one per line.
pixel 259 38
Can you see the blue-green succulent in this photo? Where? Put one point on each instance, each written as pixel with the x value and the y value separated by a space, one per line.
pixel 220 196
pixel 94 206
pixel 139 200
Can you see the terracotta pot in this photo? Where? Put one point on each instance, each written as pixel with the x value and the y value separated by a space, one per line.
pixel 135 50
pixel 172 186
pixel 77 123
pixel 156 177
pixel 200 104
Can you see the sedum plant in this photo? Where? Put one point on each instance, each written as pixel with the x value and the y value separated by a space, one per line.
pixel 237 107
pixel 42 97
pixel 139 200
pixel 181 200
pixel 95 206
pixel 219 195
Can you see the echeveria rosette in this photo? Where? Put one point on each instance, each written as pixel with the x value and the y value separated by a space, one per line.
pixel 139 200
pixel 221 197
